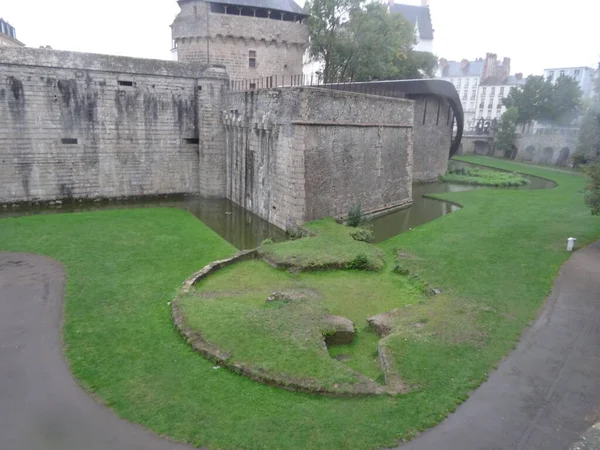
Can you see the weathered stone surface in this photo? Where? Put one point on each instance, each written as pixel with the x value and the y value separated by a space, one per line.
pixel 590 439
pixel 298 154
pixel 382 323
pixel 278 45
pixel 290 296
pixel 340 330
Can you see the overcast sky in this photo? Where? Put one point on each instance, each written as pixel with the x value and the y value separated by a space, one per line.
pixel 534 33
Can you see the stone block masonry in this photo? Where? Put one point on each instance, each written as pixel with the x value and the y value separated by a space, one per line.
pixel 298 154
pixel 432 137
pixel 76 125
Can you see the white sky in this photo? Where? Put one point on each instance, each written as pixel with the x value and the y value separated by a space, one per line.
pixel 535 34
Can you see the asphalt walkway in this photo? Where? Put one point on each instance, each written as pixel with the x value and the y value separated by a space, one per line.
pixel 542 397
pixel 41 406
pixel 546 393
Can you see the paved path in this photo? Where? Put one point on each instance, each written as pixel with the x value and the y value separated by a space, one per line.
pixel 41 406
pixel 547 392
pixel 542 397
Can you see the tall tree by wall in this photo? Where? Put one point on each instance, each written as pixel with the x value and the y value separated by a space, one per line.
pixel 539 99
pixel 363 42
pixel 507 130
pixel 531 100
pixel 588 139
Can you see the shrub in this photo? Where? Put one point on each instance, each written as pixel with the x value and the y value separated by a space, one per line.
pixel 360 262
pixel 362 234
pixel 267 241
pixel 355 216
pixel 400 270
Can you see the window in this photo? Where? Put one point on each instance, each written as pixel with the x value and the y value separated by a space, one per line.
pixel 252 59
pixel 481 104
pixel 464 97
pixel 473 93
pixel 252 85
pixel 493 92
pixel 467 83
pixel 481 113
pixel 483 92
pixel 126 83
pixel 458 83
pixel 502 91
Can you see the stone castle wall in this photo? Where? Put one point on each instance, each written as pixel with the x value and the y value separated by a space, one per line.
pixel 298 154
pixel 83 126
pixel 432 138
pixel 214 38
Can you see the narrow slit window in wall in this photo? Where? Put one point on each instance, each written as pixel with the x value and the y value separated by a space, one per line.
pixel 191 140
pixel 126 83
pixel 69 141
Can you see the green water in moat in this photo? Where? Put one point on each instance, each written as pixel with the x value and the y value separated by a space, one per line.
pixel 246 230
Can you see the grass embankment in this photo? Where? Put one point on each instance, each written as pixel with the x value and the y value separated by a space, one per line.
pixel 483 177
pixel 283 340
pixel 330 248
pixel 495 260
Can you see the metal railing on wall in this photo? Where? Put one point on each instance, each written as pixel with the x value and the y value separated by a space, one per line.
pixel 303 80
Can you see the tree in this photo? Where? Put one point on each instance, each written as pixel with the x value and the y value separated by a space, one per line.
pixel 592 191
pixel 588 139
pixel 327 37
pixel 363 42
pixel 531 100
pixel 507 130
pixel 565 101
pixel 539 99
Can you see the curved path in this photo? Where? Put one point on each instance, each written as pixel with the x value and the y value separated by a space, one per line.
pixel 542 396
pixel 41 406
pixel 547 392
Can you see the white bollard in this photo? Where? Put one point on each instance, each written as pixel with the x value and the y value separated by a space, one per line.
pixel 571 243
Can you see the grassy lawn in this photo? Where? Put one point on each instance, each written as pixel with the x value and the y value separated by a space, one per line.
pixel 494 260
pixel 332 247
pixel 285 338
pixel 483 177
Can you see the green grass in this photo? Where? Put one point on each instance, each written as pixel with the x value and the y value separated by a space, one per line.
pixel 484 177
pixel 495 260
pixel 229 310
pixel 332 247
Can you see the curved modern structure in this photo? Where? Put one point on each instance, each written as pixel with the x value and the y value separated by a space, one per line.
pixel 418 90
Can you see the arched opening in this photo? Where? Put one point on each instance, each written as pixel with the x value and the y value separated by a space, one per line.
pixel 482 148
pixel 547 155
pixel 512 153
pixel 529 153
pixel 563 157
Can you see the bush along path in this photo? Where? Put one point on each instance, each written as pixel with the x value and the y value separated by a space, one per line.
pixel 493 263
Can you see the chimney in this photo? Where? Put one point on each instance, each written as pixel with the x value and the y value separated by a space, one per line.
pixel 490 66
pixel 425 3
pixel 519 76
pixel 505 67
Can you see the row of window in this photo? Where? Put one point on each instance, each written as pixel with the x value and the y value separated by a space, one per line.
pixel 562 73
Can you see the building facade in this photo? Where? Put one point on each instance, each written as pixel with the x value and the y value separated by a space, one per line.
pixel 481 85
pixel 251 38
pixel 420 18
pixel 8 35
pixel 583 75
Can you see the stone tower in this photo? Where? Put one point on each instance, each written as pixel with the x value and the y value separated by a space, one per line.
pixel 251 38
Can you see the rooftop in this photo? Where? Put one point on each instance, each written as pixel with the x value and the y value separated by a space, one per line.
pixel 414 14
pixel 276 5
pixel 456 69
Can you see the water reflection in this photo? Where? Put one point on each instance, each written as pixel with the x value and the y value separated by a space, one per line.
pixel 245 230
pixel 238 226
pixel 425 210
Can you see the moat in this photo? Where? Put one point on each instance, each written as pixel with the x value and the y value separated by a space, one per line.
pixel 245 230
